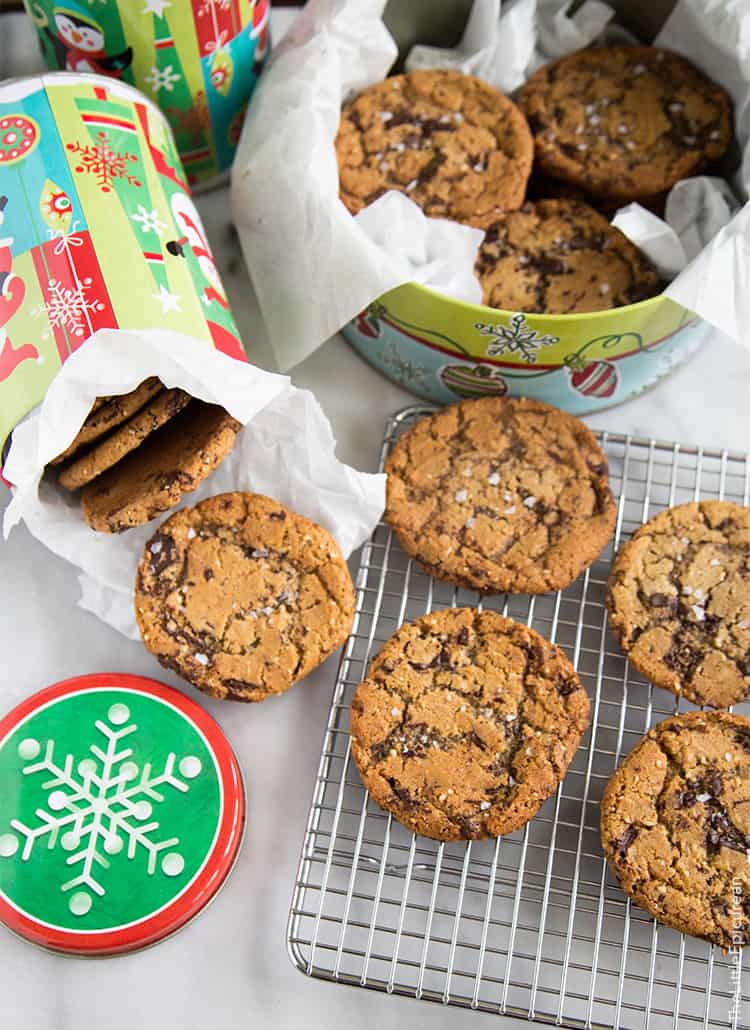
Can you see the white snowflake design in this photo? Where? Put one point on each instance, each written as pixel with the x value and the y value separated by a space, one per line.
pixel 101 804
pixel 149 221
pixel 68 307
pixel 517 338
pixel 208 6
pixel 407 372
pixel 162 78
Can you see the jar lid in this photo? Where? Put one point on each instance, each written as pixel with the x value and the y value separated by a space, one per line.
pixel 122 810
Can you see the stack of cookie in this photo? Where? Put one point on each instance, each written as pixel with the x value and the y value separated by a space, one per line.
pixel 138 453
pixel 467 721
pixel 589 133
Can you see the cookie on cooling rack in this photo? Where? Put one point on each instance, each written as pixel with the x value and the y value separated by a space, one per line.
pixel 679 601
pixel 242 597
pixel 500 494
pixel 466 723
pixel 675 823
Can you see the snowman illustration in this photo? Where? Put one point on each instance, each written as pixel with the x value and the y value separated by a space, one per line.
pixel 12 293
pixel 194 237
pixel 79 41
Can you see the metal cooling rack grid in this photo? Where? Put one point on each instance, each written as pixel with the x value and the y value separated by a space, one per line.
pixel 533 924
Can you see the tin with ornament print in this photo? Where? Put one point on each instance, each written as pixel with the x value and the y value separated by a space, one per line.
pixel 122 811
pixel 446 350
pixel 198 60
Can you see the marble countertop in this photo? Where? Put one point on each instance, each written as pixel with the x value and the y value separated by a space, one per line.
pixel 229 968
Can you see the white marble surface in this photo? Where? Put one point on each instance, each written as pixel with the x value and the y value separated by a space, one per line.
pixel 230 968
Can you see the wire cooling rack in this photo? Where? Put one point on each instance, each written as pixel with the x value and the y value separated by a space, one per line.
pixel 533 924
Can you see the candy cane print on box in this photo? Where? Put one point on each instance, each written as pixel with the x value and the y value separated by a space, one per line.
pixel 121 813
pixel 198 60
pixel 97 230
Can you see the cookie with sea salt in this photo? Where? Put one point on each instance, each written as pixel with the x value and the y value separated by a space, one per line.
pixel 625 121
pixel 679 601
pixel 675 825
pixel 500 494
pixel 466 723
pixel 561 257
pixel 456 146
pixel 242 597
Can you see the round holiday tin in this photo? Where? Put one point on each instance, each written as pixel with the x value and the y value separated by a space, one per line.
pixel 122 811
pixel 446 350
pixel 198 59
pixel 97 231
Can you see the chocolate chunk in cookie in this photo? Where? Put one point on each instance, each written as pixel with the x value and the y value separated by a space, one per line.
pixel 453 144
pixel 466 723
pixel 169 463
pixel 109 412
pixel 561 257
pixel 679 601
pixel 625 121
pixel 122 440
pixel 500 494
pixel 242 597
pixel 675 822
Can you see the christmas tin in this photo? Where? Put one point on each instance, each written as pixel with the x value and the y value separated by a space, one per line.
pixel 121 814
pixel 446 350
pixel 197 59
pixel 97 231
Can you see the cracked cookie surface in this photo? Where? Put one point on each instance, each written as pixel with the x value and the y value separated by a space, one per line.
pixel 561 257
pixel 675 822
pixel 625 121
pixel 466 723
pixel 500 494
pixel 242 597
pixel 454 145
pixel 679 601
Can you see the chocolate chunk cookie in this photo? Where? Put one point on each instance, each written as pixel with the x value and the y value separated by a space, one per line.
pixel 466 723
pixel 625 121
pixel 679 601
pixel 109 412
pixel 675 822
pixel 242 597
pixel 169 463
pixel 500 494
pixel 450 142
pixel 121 441
pixel 561 257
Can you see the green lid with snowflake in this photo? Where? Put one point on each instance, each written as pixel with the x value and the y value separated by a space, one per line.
pixel 121 813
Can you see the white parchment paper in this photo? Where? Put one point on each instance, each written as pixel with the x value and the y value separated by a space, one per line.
pixel 314 266
pixel 286 450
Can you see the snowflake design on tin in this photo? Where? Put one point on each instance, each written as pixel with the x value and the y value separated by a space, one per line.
pixel 516 338
pixel 405 371
pixel 149 221
pixel 68 307
pixel 99 805
pixel 162 78
pixel 104 163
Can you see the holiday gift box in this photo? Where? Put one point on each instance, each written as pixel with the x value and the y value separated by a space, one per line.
pixel 97 231
pixel 400 286
pixel 197 59
pixel 106 280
